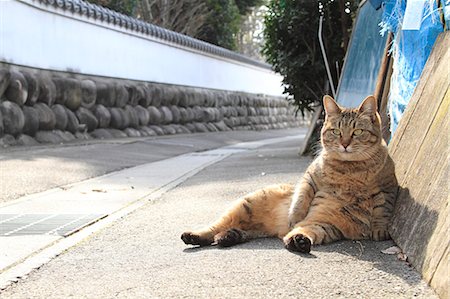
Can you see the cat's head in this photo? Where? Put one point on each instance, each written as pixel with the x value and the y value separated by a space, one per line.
pixel 351 134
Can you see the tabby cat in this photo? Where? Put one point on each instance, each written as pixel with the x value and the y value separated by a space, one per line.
pixel 348 192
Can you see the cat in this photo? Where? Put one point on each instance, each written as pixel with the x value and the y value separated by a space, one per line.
pixel 348 192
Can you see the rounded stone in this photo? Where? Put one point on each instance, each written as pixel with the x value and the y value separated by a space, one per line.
pixel 147 130
pixel 176 115
pixel 229 122
pixel 17 91
pixel 132 116
pixel 103 116
pixel 183 115
pixel 85 116
pixel 184 129
pixel 174 97
pixel 136 93
pixel 101 134
pixel 26 140
pixel 5 76
pixel 190 127
pixel 183 99
pixel 198 114
pixel 200 127
pixel 121 95
pixel 157 130
pixel 31 125
pixel 155 116
pixel 65 136
pixel 156 93
pixel 221 126
pixel 68 92
pixel 211 127
pixel 13 118
pixel 168 130
pixel 208 115
pixel 73 124
pixel 106 94
pixel 82 136
pixel 47 90
pixel 117 133
pixel 190 114
pixel 167 116
pixel 146 98
pixel 131 132
pixel 33 88
pixel 2 129
pixel 117 118
pixel 60 116
pixel 48 137
pixel 7 141
pixel 88 94
pixel 143 115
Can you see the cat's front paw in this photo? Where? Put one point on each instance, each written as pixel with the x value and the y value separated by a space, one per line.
pixel 190 238
pixel 298 243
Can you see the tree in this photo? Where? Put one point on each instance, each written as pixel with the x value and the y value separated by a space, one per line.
pixel 292 45
pixel 214 21
pixel 127 7
pixel 183 16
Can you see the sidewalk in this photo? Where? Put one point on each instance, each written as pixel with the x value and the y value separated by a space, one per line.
pixel 139 253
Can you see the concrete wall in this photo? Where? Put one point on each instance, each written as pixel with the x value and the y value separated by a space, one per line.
pixel 70 35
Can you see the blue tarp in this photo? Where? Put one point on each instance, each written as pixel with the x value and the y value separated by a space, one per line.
pixel 364 56
pixel 411 49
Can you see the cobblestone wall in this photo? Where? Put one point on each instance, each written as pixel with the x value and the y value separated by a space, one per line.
pixel 39 106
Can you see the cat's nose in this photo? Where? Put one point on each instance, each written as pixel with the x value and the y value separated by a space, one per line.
pixel 345 143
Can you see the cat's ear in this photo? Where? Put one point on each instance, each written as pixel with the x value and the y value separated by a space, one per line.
pixel 330 105
pixel 369 105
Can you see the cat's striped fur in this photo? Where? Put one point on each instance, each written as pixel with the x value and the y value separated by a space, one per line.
pixel 348 192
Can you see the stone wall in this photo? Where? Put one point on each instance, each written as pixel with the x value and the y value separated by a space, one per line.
pixel 38 106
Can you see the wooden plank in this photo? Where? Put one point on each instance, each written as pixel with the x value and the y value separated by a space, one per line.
pixel 431 88
pixel 420 149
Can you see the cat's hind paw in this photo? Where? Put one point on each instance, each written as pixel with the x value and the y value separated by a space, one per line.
pixel 190 238
pixel 298 243
pixel 230 237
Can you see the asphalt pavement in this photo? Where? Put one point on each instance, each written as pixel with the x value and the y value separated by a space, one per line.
pixel 141 255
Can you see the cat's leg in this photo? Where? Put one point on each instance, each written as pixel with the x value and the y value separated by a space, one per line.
pixel 262 213
pixel 301 199
pixel 307 233
pixel 382 213
pixel 327 221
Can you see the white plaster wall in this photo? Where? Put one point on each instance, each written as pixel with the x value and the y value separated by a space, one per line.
pixel 57 40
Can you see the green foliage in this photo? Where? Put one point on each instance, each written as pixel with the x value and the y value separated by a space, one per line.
pixel 292 45
pixel 245 6
pixel 222 23
pixel 225 20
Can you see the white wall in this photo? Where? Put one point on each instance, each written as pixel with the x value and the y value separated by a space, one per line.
pixel 41 36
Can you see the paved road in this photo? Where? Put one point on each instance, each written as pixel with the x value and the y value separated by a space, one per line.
pixel 142 256
pixel 29 170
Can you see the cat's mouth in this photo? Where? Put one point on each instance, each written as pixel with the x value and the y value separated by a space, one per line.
pixel 345 150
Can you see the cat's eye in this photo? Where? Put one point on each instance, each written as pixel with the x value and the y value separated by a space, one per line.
pixel 357 132
pixel 336 132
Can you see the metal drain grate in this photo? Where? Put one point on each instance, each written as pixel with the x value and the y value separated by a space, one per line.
pixel 45 224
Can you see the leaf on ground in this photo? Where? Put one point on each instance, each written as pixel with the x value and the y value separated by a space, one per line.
pixel 99 190
pixel 392 250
